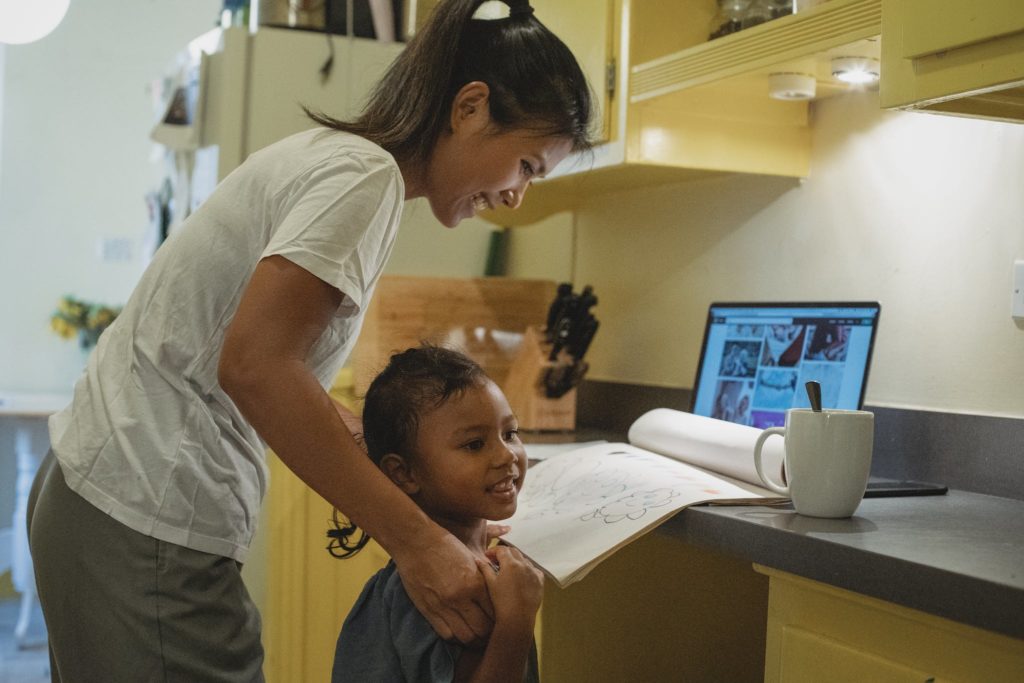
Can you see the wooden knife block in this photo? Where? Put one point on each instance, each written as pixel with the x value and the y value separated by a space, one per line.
pixel 483 317
pixel 524 388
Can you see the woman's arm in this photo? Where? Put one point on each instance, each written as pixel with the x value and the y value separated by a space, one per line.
pixel 516 588
pixel 283 312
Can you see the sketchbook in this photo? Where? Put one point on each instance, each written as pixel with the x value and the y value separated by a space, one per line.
pixel 580 506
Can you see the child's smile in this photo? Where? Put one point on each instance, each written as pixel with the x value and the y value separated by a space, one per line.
pixel 505 490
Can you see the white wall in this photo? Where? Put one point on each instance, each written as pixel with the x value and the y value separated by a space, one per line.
pixel 75 167
pixel 921 212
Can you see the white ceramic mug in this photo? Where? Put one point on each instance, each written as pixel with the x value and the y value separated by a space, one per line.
pixel 827 460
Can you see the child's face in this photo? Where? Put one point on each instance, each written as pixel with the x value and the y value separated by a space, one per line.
pixel 469 463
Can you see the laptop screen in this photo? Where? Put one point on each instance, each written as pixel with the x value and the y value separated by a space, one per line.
pixel 757 357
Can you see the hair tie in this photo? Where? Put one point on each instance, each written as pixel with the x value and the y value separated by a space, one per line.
pixel 519 9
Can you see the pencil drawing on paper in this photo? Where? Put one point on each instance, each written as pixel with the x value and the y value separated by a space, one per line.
pixel 633 506
pixel 599 488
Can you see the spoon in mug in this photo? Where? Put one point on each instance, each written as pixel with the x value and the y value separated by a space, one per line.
pixel 814 395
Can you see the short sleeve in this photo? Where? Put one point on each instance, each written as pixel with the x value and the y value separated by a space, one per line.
pixel 338 219
pixel 423 656
pixel 386 640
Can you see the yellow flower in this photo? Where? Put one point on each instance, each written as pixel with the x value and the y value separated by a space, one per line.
pixel 61 327
pixel 74 316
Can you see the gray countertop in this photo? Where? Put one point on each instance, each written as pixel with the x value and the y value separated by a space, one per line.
pixel 959 555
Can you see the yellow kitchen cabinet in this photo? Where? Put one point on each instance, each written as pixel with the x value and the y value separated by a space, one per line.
pixel 310 593
pixel 819 633
pixel 954 57
pixel 683 107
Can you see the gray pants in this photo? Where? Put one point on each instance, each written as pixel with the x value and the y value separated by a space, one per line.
pixel 123 607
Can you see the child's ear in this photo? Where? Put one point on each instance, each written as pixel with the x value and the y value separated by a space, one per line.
pixel 398 471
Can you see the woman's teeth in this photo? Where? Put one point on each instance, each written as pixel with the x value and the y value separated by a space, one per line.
pixel 480 203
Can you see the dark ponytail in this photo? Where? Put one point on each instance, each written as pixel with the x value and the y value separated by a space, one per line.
pixel 534 80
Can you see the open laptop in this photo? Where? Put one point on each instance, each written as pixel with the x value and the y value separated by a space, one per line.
pixel 757 357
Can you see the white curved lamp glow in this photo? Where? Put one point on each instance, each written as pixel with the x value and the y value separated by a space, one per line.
pixel 23 21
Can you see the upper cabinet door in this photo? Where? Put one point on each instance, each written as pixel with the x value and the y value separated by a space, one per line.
pixel 586 27
pixel 933 25
pixel 954 57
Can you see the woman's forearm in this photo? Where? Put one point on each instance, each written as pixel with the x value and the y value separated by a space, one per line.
pixel 298 420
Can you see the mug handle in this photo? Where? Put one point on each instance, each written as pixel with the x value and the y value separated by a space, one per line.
pixel 781 431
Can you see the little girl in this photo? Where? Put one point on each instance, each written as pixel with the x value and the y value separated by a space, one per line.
pixel 442 431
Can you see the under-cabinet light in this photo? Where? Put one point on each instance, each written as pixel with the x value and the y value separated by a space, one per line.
pixel 855 70
pixel 791 86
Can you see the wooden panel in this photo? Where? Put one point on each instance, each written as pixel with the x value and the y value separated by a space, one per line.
pixel 485 317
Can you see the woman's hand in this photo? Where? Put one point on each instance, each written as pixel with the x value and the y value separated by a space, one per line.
pixel 443 582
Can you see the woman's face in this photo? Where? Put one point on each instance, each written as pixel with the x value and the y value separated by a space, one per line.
pixel 474 168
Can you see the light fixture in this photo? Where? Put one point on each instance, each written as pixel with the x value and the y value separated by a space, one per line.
pixel 791 86
pixel 23 21
pixel 855 70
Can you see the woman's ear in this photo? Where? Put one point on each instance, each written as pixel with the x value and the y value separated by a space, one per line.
pixel 471 107
pixel 397 470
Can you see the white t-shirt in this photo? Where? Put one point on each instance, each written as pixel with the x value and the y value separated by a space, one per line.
pixel 150 437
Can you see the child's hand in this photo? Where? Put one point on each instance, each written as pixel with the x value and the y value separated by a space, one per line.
pixel 496 531
pixel 516 587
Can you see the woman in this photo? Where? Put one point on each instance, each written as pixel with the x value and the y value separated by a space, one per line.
pixel 142 515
